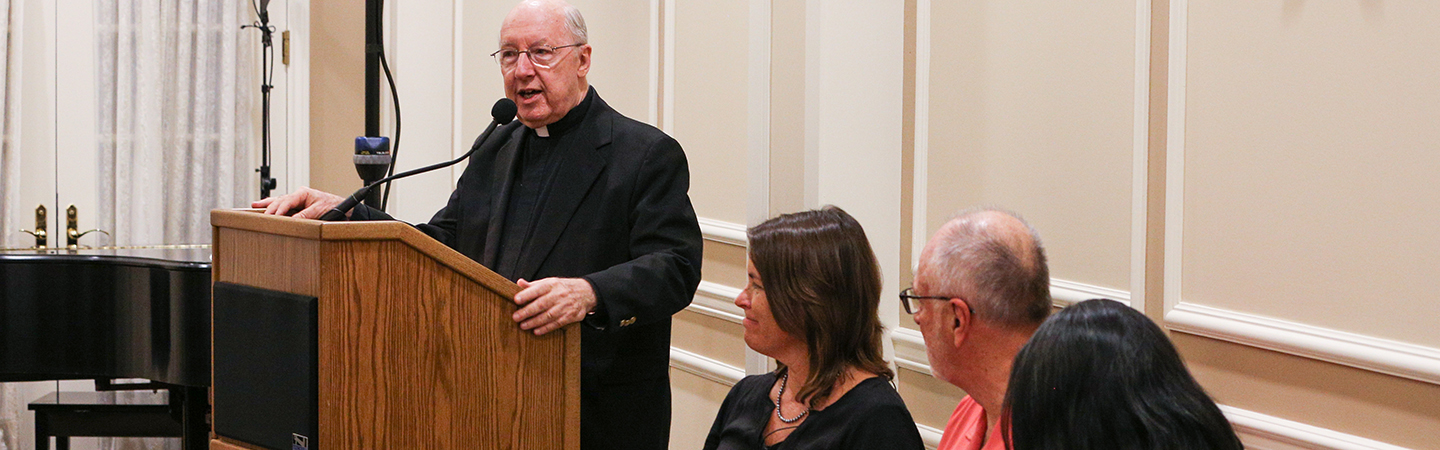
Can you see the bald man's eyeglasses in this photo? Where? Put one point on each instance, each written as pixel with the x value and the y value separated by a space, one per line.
pixel 909 294
pixel 542 56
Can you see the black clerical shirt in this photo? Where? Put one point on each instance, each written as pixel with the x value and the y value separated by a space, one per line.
pixel 531 180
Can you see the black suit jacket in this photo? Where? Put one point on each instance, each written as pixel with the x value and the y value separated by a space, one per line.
pixel 617 214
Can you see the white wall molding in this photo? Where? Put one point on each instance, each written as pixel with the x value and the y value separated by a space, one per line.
pixel 667 67
pixel 723 232
pixel 1379 355
pixel 910 355
pixel 910 350
pixel 655 34
pixel 717 300
pixel 297 98
pixel 1175 151
pixel 1065 293
pixel 920 173
pixel 929 435
pixel 1252 426
pixel 705 367
pixel 1140 158
pixel 757 202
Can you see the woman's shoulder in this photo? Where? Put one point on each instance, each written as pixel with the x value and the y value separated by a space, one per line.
pixel 753 386
pixel 874 391
pixel 872 398
pixel 873 415
pixel 761 381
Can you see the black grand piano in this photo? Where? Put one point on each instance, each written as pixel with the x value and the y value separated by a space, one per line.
pixel 118 313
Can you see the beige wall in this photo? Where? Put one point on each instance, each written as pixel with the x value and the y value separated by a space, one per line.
pixel 1309 134
pixel 1032 107
pixel 337 92
pixel 1259 186
pixel 1300 143
pixel 709 105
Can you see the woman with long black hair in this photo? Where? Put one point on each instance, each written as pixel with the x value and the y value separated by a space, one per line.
pixel 1101 375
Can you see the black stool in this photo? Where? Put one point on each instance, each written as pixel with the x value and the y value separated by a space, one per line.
pixel 95 414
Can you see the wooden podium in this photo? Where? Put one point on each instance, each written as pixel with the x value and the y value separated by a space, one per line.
pixel 416 348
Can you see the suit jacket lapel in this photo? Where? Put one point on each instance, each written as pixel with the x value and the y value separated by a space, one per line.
pixel 503 170
pixel 581 164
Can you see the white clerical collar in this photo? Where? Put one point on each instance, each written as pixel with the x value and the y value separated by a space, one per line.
pixel 543 131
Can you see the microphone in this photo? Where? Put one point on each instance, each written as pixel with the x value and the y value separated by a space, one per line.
pixel 264 11
pixel 372 159
pixel 503 112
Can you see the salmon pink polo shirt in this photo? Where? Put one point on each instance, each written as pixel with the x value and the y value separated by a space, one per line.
pixel 966 429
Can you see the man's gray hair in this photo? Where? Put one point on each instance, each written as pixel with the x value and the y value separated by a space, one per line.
pixel 575 23
pixel 1002 275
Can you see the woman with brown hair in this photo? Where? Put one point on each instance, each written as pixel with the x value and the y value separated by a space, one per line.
pixel 810 303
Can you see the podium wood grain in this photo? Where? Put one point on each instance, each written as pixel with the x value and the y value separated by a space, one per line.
pixel 417 349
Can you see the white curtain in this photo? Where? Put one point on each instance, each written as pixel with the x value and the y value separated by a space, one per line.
pixel 176 94
pixel 177 91
pixel 10 405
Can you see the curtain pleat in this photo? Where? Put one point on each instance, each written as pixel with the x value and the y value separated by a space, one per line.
pixel 10 406
pixel 178 91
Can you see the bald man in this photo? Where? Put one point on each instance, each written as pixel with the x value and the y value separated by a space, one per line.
pixel 588 211
pixel 981 290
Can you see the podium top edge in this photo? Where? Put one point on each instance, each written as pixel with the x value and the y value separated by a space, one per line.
pixel 249 219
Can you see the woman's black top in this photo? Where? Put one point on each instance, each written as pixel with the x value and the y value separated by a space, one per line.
pixel 870 416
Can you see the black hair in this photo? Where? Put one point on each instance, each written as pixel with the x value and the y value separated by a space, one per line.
pixel 1101 375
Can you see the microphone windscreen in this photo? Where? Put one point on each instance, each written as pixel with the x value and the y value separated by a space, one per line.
pixel 503 111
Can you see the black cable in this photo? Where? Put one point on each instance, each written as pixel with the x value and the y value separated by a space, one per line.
pixel 394 99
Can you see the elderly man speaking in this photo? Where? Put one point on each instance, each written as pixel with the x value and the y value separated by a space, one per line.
pixel 588 211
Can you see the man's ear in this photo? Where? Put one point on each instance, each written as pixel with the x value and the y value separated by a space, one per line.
pixel 961 320
pixel 584 68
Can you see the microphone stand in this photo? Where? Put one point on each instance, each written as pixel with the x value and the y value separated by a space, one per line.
pixel 267 70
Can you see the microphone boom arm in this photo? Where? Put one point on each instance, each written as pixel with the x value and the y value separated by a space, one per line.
pixel 339 211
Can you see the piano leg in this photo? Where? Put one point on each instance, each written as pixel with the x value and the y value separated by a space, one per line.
pixel 196 407
pixel 42 435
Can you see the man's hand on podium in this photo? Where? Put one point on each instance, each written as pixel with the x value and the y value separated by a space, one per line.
pixel 304 203
pixel 551 303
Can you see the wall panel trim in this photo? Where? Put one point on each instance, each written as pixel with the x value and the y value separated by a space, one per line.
pixel 717 300
pixel 1374 354
pixel 705 367
pixel 1140 158
pixel 1065 293
pixel 655 83
pixel 297 98
pixel 667 67
pixel 1175 152
pixel 929 435
pixel 920 173
pixel 1253 424
pixel 1364 352
pixel 723 232
pixel 910 350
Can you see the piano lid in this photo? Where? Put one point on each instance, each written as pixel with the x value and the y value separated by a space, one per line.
pixel 116 312
pixel 181 257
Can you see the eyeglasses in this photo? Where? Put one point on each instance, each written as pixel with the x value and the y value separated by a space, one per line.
pixel 542 56
pixel 909 293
